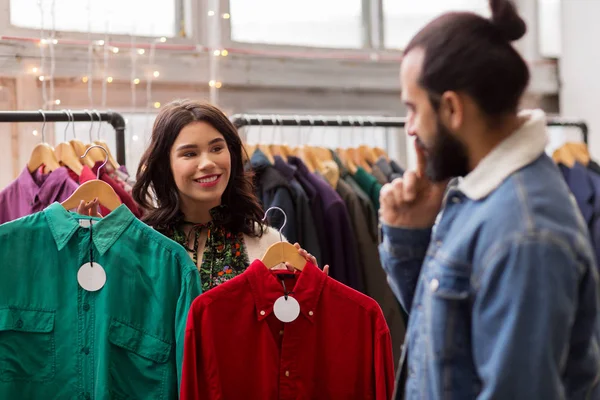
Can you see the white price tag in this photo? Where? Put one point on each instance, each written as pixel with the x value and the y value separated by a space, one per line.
pixel 91 277
pixel 286 310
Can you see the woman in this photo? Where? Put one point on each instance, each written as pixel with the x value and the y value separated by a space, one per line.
pixel 193 188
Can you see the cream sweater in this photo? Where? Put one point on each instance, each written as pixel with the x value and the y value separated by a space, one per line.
pixel 256 247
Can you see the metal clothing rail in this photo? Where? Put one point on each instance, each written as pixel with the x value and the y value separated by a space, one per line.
pixel 241 120
pixel 115 119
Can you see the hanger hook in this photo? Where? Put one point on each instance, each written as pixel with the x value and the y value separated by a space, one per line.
pixel 66 126
pixel 73 125
pixel 43 126
pixel 274 123
pixel 311 120
pixel 91 125
pixel 284 220
pixel 259 118
pixel 280 122
pixel 105 157
pixel 99 123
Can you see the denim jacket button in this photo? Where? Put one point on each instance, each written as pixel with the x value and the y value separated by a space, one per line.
pixel 434 285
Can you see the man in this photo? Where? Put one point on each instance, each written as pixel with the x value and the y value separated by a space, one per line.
pixel 495 268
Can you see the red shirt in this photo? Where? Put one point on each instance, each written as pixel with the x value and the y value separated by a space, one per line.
pixel 235 348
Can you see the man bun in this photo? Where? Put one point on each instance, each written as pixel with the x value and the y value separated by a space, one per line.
pixel 506 19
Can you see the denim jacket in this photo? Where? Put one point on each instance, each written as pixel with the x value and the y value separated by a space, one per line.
pixel 503 290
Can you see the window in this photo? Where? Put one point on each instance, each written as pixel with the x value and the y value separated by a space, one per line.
pixel 549 32
pixel 138 17
pixel 316 23
pixel 404 18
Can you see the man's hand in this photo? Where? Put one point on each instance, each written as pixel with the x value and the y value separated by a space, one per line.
pixel 412 201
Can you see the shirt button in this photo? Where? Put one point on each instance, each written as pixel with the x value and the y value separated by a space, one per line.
pixel 281 332
pixel 262 312
pixel 287 373
pixel 456 200
pixel 434 285
pixel 86 307
pixel 311 313
pixel 86 350
pixel 19 324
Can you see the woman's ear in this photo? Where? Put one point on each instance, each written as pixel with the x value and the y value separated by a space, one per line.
pixel 452 110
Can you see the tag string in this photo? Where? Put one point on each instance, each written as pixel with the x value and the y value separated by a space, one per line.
pixel 91 247
pixel 285 292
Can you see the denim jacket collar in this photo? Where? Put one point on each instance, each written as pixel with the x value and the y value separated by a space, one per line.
pixel 518 150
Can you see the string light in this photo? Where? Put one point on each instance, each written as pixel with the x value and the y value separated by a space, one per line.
pixel 156 104
pixel 57 102
pixel 84 79
pixel 34 70
pixel 42 78
pixel 218 85
pixel 115 50
pixel 135 138
pixel 136 81
pixel 35 132
pixel 226 16
pixel 211 83
pixel 109 79
pixel 211 13
pixel 156 74
pixel 100 42
pixel 224 53
pixel 141 51
pixel 54 41
pixel 217 53
pixel 43 42
pixel 163 39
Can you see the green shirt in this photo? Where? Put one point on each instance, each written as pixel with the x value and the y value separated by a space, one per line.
pixel 369 184
pixel 59 341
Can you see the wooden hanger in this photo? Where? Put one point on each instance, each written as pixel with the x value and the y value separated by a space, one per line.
pixel 65 154
pixel 368 154
pixel 379 152
pixel 580 152
pixel 331 172
pixel 43 153
pixel 282 252
pixel 267 152
pixel 347 160
pixel 94 189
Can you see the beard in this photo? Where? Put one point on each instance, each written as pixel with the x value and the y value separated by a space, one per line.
pixel 447 157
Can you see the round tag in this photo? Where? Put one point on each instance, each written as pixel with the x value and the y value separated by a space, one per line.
pixel 91 277
pixel 286 310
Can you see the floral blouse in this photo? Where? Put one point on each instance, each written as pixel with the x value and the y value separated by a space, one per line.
pixel 225 254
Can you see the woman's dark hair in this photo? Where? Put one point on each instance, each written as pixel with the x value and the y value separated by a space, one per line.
pixel 154 173
pixel 465 52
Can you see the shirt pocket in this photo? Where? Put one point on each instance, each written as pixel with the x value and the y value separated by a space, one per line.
pixel 447 304
pixel 27 345
pixel 139 365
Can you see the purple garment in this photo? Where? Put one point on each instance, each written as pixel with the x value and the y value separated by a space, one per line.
pixel 339 233
pixel 32 192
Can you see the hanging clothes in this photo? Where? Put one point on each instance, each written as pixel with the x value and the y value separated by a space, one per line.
pixel 378 174
pixel 274 190
pixel 374 277
pixel 339 235
pixel 305 224
pixel 370 185
pixel 32 192
pixel 59 341
pixel 585 186
pixel 385 167
pixel 316 205
pixel 235 347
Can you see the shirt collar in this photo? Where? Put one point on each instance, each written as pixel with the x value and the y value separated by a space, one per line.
pixel 45 187
pixel 105 232
pixel 518 150
pixel 266 288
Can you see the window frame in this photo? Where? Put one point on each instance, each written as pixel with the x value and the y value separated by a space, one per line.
pixel 184 8
pixel 371 27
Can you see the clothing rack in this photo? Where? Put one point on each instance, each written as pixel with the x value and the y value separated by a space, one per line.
pixel 115 119
pixel 241 120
